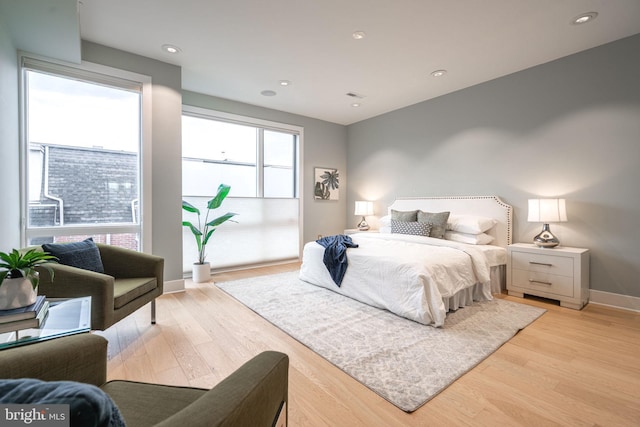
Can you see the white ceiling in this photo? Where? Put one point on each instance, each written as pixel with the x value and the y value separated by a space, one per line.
pixel 235 49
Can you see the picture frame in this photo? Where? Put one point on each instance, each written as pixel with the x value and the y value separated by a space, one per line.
pixel 326 184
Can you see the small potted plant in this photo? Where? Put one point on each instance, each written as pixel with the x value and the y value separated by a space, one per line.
pixel 19 278
pixel 203 230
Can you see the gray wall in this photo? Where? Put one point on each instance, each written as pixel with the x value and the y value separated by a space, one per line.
pixel 166 147
pixel 567 128
pixel 324 146
pixel 9 144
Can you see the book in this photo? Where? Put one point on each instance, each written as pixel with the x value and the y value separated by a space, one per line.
pixel 22 313
pixel 26 323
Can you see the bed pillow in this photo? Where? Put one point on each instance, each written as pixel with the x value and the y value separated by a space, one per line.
pixel 437 220
pixel 471 239
pixel 406 216
pixel 84 255
pixel 385 221
pixel 470 224
pixel 410 227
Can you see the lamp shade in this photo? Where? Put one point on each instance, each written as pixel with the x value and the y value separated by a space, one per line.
pixel 363 208
pixel 547 210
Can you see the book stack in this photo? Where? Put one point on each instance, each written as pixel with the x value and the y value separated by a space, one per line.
pixel 27 317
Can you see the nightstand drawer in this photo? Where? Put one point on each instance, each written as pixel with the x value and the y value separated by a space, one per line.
pixel 540 281
pixel 548 264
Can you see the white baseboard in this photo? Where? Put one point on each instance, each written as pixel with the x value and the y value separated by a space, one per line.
pixel 174 286
pixel 625 302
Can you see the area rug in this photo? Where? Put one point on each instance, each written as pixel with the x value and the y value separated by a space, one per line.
pixel 403 361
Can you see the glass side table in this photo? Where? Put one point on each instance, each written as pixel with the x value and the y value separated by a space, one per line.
pixel 65 317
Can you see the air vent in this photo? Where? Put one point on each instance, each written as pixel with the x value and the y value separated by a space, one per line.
pixel 355 95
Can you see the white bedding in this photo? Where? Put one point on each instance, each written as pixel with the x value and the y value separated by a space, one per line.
pixel 416 277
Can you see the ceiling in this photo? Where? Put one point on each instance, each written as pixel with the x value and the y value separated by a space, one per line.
pixel 238 49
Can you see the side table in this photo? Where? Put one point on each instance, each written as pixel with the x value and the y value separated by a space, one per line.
pixel 560 273
pixel 65 317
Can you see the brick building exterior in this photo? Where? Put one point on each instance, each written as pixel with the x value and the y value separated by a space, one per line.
pixel 81 186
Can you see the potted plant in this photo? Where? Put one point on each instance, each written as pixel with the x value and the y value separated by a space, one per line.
pixel 203 230
pixel 19 278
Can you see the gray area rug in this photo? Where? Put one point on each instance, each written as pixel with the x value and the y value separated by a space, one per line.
pixel 405 362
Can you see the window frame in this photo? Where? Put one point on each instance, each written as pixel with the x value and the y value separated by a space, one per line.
pixel 262 125
pixel 208 113
pixel 97 74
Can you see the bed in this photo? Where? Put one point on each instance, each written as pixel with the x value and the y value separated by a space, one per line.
pixel 418 277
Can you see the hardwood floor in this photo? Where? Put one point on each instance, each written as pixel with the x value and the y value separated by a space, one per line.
pixel 569 368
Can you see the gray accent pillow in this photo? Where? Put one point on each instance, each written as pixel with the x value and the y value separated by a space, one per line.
pixel 407 216
pixel 84 255
pixel 437 220
pixel 410 227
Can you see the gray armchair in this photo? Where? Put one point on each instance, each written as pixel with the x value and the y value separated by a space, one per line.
pixel 131 280
pixel 255 395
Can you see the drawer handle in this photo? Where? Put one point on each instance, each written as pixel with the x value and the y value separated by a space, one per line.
pixel 538 281
pixel 541 263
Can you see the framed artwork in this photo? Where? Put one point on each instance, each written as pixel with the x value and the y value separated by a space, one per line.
pixel 326 184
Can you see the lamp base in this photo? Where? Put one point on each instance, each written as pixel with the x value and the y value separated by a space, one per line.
pixel 545 239
pixel 362 225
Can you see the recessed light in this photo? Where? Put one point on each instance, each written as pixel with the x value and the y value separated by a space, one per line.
pixel 268 93
pixel 438 73
pixel 584 18
pixel 355 104
pixel 170 48
pixel 358 35
pixel 285 83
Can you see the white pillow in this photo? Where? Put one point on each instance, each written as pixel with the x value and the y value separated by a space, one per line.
pixel 471 239
pixel 385 221
pixel 470 224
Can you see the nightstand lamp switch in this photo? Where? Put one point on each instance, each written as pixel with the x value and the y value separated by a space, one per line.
pixel 363 208
pixel 546 211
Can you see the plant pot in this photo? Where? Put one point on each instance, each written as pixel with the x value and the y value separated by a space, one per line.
pixel 201 272
pixel 16 293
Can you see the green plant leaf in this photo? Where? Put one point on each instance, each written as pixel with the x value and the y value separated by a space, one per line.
pixel 215 203
pixel 221 219
pixel 193 228
pixel 190 208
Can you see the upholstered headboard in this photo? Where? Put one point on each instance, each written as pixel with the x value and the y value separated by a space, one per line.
pixel 488 206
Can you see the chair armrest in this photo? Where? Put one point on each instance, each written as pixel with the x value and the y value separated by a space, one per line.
pixel 81 357
pixel 250 396
pixel 121 262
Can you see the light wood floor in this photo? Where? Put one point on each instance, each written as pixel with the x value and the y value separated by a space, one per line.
pixel 569 368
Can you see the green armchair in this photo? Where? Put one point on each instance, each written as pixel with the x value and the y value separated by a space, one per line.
pixel 255 395
pixel 131 280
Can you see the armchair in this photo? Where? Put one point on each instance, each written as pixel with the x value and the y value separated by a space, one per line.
pixel 255 395
pixel 131 280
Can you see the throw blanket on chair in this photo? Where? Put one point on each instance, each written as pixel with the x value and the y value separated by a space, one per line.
pixel 335 255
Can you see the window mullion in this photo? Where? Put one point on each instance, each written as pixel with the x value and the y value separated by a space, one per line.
pixel 260 164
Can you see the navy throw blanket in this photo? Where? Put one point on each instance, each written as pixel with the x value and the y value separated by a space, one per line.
pixel 88 405
pixel 335 255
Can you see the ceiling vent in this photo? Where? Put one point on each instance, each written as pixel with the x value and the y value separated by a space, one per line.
pixel 355 95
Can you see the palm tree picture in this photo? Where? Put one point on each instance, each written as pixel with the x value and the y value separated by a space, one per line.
pixel 327 184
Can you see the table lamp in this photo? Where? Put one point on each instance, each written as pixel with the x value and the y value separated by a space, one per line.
pixel 546 211
pixel 363 208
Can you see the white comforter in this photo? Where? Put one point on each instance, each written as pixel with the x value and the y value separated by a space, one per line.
pixel 407 275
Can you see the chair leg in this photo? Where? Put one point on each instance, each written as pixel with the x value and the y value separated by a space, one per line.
pixel 153 312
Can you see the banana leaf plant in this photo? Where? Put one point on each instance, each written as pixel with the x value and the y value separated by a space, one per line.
pixel 16 264
pixel 203 230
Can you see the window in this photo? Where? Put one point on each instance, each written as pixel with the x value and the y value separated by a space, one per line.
pixel 83 148
pixel 259 160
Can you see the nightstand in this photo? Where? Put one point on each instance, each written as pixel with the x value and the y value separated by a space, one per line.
pixel 560 273
pixel 355 230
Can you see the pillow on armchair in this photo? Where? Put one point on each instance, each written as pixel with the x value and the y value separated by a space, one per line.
pixel 84 254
